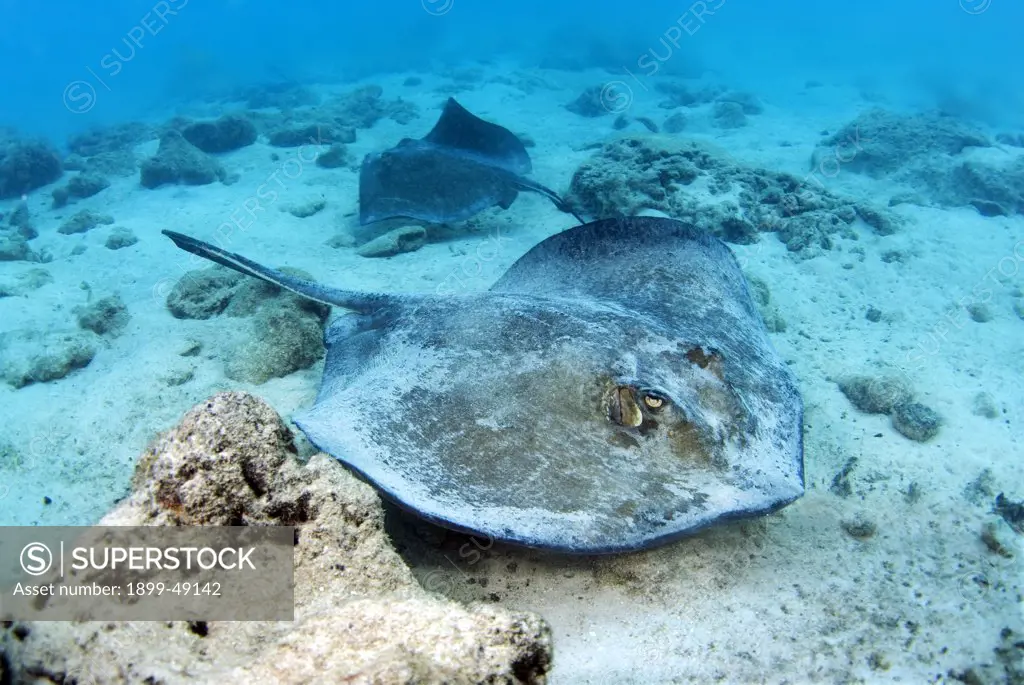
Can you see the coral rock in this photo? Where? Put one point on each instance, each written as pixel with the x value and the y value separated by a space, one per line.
pixel 360 616
pixel 230 132
pixel 26 166
pixel 179 161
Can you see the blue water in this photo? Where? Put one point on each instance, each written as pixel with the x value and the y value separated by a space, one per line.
pixel 938 301
pixel 937 52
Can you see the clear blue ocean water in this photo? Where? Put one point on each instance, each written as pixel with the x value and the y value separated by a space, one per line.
pixel 936 53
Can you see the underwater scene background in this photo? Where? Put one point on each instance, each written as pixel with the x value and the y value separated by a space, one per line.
pixel 863 161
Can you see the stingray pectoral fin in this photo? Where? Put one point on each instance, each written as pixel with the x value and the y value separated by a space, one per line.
pixel 359 302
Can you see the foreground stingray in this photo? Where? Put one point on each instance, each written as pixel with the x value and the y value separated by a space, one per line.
pixel 615 389
pixel 463 166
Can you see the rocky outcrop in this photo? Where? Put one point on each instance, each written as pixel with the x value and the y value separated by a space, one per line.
pixel 360 615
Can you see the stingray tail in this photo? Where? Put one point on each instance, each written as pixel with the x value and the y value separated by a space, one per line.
pixel 558 201
pixel 363 303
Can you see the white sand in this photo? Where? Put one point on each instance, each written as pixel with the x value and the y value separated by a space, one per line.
pixel 791 598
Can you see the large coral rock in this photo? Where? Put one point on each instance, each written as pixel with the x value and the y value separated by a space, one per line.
pixel 993 188
pixel 230 132
pixel 360 616
pixel 633 174
pixel 179 161
pixel 26 166
pixel 28 356
pixel 285 334
pixel 879 142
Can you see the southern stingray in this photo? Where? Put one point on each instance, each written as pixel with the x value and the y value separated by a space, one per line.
pixel 463 166
pixel 613 390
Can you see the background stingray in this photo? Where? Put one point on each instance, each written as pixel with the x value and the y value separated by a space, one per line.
pixel 615 389
pixel 463 166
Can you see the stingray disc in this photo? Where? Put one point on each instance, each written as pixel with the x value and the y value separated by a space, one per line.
pixel 615 389
pixel 463 166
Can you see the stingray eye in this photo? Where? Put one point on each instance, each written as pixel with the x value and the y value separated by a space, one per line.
pixel 653 401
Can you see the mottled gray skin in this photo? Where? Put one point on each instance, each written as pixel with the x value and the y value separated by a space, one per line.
pixel 521 413
pixel 463 166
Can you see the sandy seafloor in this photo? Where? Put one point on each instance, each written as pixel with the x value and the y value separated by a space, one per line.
pixel 788 598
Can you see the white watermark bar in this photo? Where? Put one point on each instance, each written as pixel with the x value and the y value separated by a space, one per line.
pixel 148 573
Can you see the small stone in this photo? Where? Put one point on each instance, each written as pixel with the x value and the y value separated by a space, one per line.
pixel 1018 307
pixel 305 209
pixel 26 282
pixel 10 458
pixel 979 312
pixel 747 101
pixel 883 222
pixel 190 348
pixel 178 376
pixel 592 103
pixel 60 197
pixel 120 238
pixel 878 662
pixel 985 405
pixel 83 221
pixel 894 256
pixel 998 536
pixel 916 421
pixel 648 123
pixel 873 315
pixel 968 677
pixel 405 239
pixel 14 248
pixel 203 293
pixel 981 488
pixel 86 185
pixel 334 157
pixel 108 315
pixel 875 395
pixel 859 527
pixel 21 220
pixel 341 240
pixel 675 123
pixel 729 115
pixel 841 482
pixel 773 320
